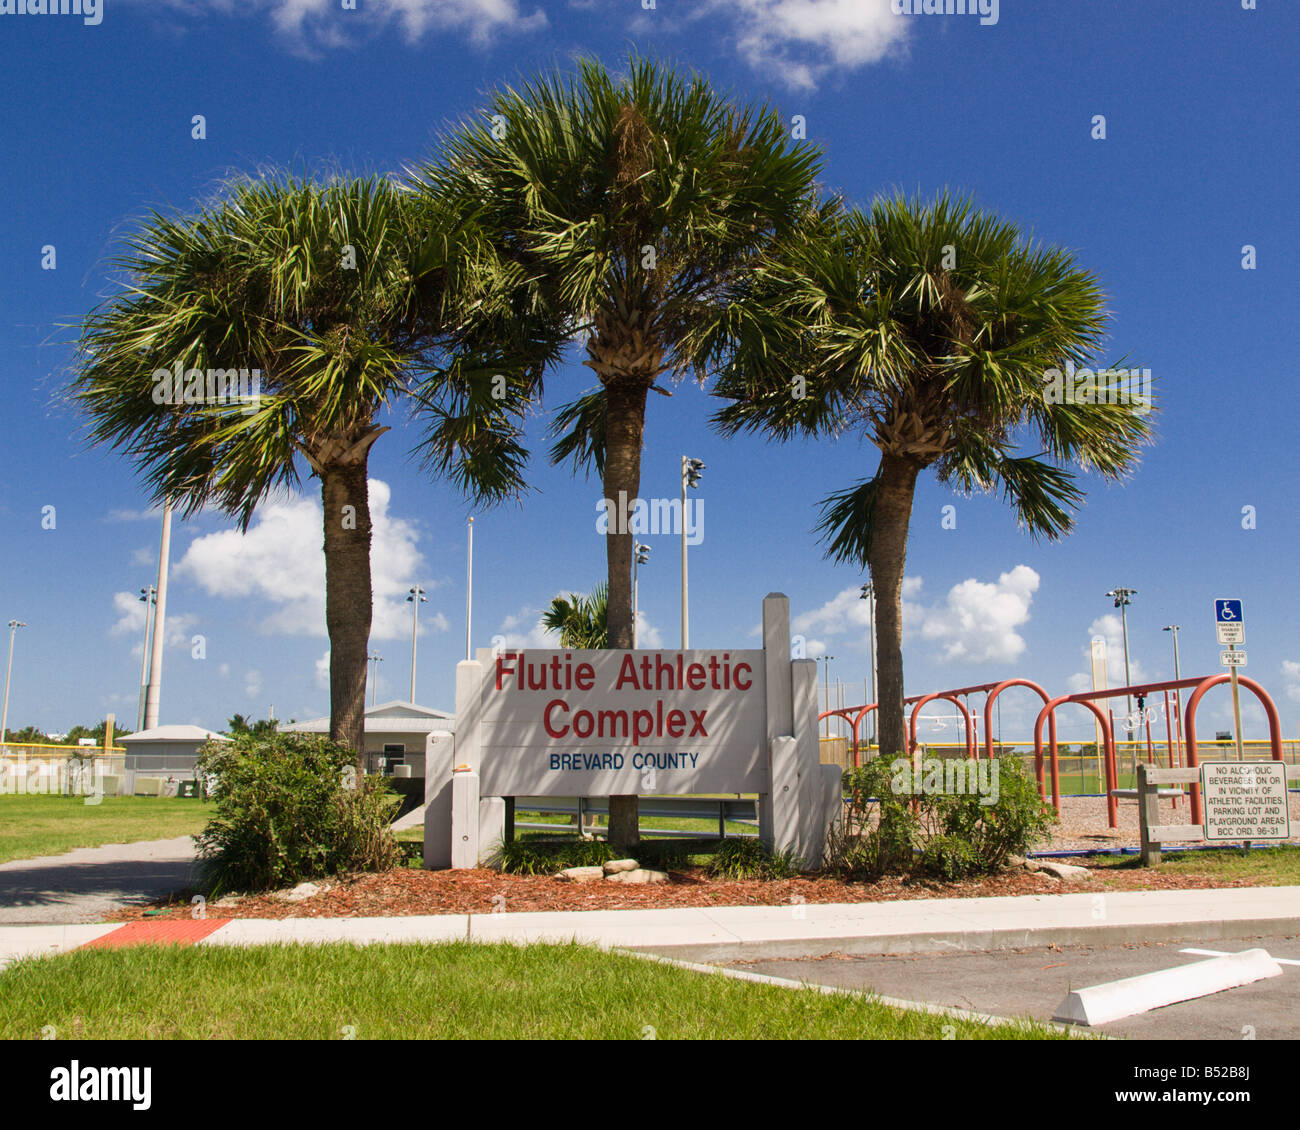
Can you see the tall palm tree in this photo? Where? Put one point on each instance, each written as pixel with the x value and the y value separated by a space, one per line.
pixel 930 331
pixel 631 206
pixel 335 295
pixel 581 621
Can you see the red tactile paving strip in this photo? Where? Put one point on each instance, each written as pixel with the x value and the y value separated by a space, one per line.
pixel 174 931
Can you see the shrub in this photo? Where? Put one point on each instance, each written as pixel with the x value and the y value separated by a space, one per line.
pixel 533 857
pixel 289 809
pixel 750 859
pixel 888 830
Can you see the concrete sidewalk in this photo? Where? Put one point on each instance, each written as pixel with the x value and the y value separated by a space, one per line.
pixel 805 930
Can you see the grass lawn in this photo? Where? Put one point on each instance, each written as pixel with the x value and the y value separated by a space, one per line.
pixel 452 990
pixel 1275 867
pixel 50 825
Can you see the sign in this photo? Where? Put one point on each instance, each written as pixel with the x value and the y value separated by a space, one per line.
pixel 1245 800
pixel 1232 658
pixel 609 723
pixel 1228 622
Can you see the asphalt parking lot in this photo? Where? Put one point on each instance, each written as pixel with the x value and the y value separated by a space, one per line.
pixel 1033 982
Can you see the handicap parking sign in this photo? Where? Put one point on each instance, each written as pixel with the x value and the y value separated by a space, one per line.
pixel 1227 611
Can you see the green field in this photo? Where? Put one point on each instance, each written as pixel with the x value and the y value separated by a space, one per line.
pixel 452 990
pixel 32 826
pixel 1275 867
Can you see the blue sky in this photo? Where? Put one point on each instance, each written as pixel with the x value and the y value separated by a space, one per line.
pixel 1199 98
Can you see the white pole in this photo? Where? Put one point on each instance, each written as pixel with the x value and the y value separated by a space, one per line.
pixel 14 625
pixel 635 556
pixel 154 690
pixel 686 632
pixel 144 655
pixel 416 595
pixel 469 590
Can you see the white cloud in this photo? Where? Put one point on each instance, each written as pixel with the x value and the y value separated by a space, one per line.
pixel 252 683
pixel 524 630
pixel 800 41
pixel 323 671
pixel 977 622
pixel 319 22
pixel 1291 673
pixel 280 560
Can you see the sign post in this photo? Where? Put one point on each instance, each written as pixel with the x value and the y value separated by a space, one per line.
pixel 1231 628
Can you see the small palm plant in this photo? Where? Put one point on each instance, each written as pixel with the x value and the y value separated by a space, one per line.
pixel 932 331
pixel 581 621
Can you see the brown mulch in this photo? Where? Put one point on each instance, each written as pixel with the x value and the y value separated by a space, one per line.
pixel 410 891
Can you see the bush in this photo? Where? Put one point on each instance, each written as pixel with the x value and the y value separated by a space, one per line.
pixel 750 859
pixel 889 829
pixel 533 857
pixel 287 810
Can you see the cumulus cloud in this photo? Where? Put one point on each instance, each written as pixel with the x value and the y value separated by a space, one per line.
pixel 1110 628
pixel 1291 673
pixel 252 682
pixel 801 41
pixel 976 622
pixel 322 24
pixel 280 561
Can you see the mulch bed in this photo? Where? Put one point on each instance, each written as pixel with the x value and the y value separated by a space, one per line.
pixel 409 891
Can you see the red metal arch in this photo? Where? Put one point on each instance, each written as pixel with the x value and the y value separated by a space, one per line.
pixel 995 689
pixel 1048 714
pixel 1274 726
pixel 946 697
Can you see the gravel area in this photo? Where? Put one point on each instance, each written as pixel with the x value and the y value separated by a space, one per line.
pixel 1083 822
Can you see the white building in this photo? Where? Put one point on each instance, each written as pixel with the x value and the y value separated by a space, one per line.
pixel 165 750
pixel 396 733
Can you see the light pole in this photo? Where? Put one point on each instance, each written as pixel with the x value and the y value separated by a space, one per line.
pixel 148 598
pixel 416 597
pixel 154 691
pixel 14 625
pixel 691 469
pixel 869 594
pixel 469 588
pixel 375 658
pixel 1123 598
pixel 640 556
pixel 1173 630
pixel 827 660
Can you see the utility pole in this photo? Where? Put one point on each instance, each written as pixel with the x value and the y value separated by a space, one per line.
pixel 147 595
pixel 869 594
pixel 375 658
pixel 469 589
pixel 1173 630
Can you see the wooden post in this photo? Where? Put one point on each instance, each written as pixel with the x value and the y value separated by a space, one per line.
pixel 1148 816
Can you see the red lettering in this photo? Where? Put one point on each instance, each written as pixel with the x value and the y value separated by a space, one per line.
pixel 748 682
pixel 697 720
pixel 676 723
pixel 546 717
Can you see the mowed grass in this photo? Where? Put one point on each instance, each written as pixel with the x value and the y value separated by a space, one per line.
pixel 1275 866
pixel 32 826
pixel 456 990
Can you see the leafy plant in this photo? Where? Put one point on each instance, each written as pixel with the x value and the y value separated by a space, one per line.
pixel 751 859
pixel 289 808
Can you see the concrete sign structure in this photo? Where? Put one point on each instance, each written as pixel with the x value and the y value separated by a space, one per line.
pixel 1245 800
pixel 622 722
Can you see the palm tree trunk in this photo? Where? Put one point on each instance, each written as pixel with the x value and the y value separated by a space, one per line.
pixel 624 428
pixel 347 599
pixel 886 558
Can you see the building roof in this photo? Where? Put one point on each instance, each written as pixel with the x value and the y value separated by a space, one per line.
pixel 173 734
pixel 394 717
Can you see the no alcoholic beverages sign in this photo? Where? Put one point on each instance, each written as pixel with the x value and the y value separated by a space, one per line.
pixel 1245 800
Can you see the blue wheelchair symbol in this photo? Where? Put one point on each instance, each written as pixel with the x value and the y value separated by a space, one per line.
pixel 1227 611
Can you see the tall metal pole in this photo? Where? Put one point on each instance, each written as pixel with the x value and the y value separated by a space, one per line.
pixel 686 632
pixel 1173 630
pixel 154 691
pixel 376 659
pixel 14 625
pixel 469 590
pixel 1123 597
pixel 869 595
pixel 147 595
pixel 415 596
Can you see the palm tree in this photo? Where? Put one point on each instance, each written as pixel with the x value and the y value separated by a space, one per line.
pixel 581 621
pixel 333 295
pixel 930 331
pixel 631 207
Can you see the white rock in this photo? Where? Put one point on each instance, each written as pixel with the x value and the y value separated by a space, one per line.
pixel 640 875
pixel 1063 870
pixel 580 874
pixel 612 866
pixel 301 892
pixel 229 900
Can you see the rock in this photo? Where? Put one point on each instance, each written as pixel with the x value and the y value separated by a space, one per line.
pixel 1063 870
pixel 640 875
pixel 301 892
pixel 612 866
pixel 1016 861
pixel 229 900
pixel 580 874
